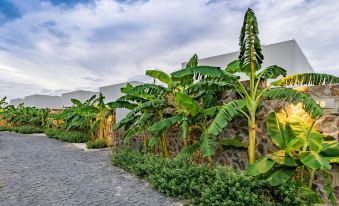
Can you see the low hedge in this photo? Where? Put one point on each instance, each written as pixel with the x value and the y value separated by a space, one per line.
pixel 5 129
pixel 67 136
pixel 25 129
pixel 96 144
pixel 200 185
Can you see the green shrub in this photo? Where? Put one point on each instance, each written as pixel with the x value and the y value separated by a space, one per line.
pixel 29 129
pixel 67 136
pixel 25 129
pixel 96 144
pixel 199 185
pixel 5 129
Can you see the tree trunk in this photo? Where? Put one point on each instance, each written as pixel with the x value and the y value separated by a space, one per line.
pixel 251 141
pixel 145 141
pixel 164 146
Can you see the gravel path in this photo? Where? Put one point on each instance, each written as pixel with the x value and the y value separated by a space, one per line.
pixel 36 170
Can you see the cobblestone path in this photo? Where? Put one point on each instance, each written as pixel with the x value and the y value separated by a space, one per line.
pixel 36 170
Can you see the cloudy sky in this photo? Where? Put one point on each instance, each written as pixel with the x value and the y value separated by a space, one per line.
pixel 52 46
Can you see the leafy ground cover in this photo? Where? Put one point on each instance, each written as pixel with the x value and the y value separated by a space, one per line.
pixel 198 184
pixel 26 129
pixel 67 136
pixel 96 144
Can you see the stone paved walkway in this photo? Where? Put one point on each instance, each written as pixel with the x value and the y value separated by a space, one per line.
pixel 36 170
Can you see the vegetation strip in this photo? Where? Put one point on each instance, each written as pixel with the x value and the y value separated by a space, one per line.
pixel 198 184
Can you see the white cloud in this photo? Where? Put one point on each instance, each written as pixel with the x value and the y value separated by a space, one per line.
pixel 52 49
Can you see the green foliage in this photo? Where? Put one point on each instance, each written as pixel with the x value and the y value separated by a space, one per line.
pixel 29 129
pixel 301 146
pixel 96 144
pixel 67 136
pixel 294 193
pixel 200 185
pixel 225 115
pixel 161 76
pixel 250 56
pixel 295 96
pixel 307 79
pixel 5 129
pixel 233 142
pixel 88 116
pixel 22 115
pixel 26 129
pixel 272 72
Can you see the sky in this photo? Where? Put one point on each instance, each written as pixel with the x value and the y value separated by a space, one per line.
pixel 55 46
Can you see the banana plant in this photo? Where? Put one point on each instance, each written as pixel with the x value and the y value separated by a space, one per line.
pixel 300 146
pixel 164 111
pixel 80 116
pixel 3 103
pixel 22 115
pixel 146 103
pixel 102 112
pixel 251 93
pixel 191 96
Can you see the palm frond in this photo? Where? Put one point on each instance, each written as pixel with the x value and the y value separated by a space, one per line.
pixel 207 144
pixel 161 76
pixel 307 79
pixel 250 47
pixel 225 115
pixel 188 151
pixel 210 86
pixel 233 67
pixel 147 91
pixel 292 95
pixel 187 104
pixel 160 126
pixel 201 72
pixel 272 72
pixel 122 104
pixel 193 62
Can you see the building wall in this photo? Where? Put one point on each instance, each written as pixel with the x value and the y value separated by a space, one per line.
pixel 287 55
pixel 43 101
pixel 79 95
pixel 112 93
pixel 16 102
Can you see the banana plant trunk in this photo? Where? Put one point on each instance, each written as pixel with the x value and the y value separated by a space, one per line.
pixel 164 145
pixel 163 140
pixel 145 141
pixel 252 140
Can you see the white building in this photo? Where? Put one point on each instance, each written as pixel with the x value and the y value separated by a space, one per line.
pixel 43 101
pixel 16 102
pixel 112 93
pixel 80 95
pixel 286 54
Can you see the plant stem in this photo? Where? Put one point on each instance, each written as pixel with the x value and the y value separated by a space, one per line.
pixel 164 145
pixel 302 174
pixel 310 180
pixel 145 141
pixel 185 143
pixel 251 138
pixel 210 162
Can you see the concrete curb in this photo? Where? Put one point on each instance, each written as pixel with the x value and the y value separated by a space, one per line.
pixel 82 146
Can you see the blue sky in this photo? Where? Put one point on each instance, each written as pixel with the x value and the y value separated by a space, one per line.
pixel 52 46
